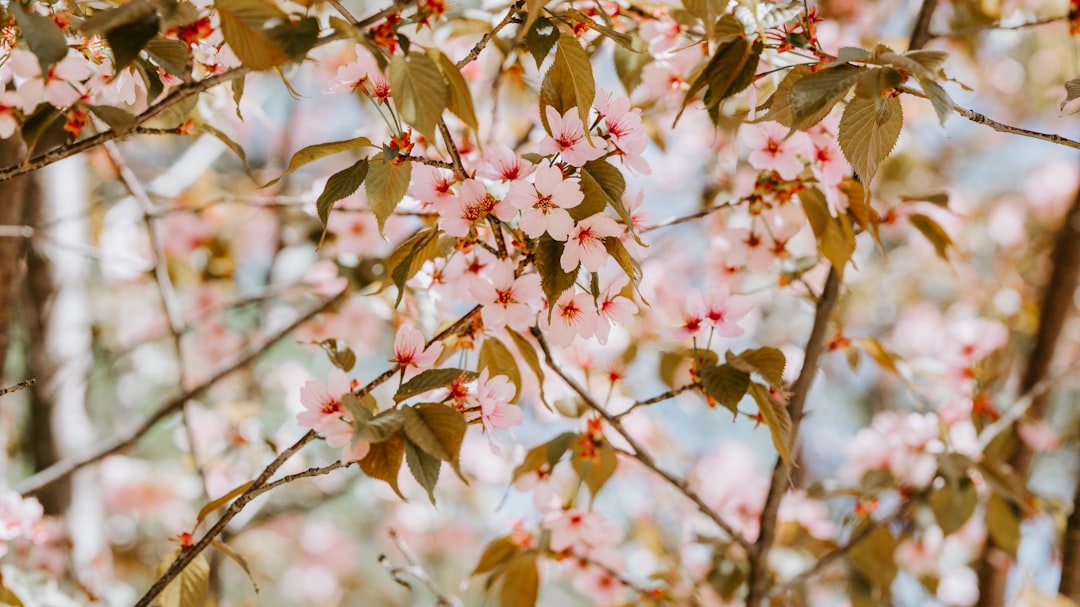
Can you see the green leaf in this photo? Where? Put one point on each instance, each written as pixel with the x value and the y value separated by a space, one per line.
pixel 876 83
pixel 496 357
pixel 383 461
pixel 236 558
pixel 312 153
pixel 243 25
pixel 229 143
pixel 835 236
pixel 295 38
pixel 339 353
pixel 496 555
pixel 528 352
pixel 420 91
pixel 619 38
pixel 460 101
pixel 213 505
pixel 629 63
pixel 868 133
pixel 1072 91
pixel 725 384
pixel 127 28
pixel 548 453
pixel 779 103
pixel 553 280
pixel 118 119
pixel 188 589
pixel 953 503
pixel 846 54
pixel 776 417
pixel 934 233
pixel 873 557
pixel 437 429
pixel 407 259
pixel 813 96
pixel 424 468
pixel 520 582
pixel 730 70
pixel 340 185
pixel 431 379
pixel 939 98
pixel 379 428
pixel 386 186
pixel 533 10
pixel 766 362
pixel 617 250
pixel 595 471
pixel 568 82
pixel 1003 523
pixel 45 39
pixel 172 55
pixel 540 39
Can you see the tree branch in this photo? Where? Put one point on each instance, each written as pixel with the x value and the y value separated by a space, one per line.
pixel 639 453
pixel 19 386
pixel 486 38
pixel 759 576
pixel 920 33
pixel 64 467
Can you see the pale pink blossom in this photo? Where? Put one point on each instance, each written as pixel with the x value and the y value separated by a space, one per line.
pixel 9 102
pixel 508 301
pixel 410 351
pixel 502 164
pixel 576 530
pixel 322 404
pixel 494 394
pixel 355 231
pixel 544 203
pixel 568 138
pixel 723 311
pixel 362 75
pixel 1038 435
pixel 772 149
pixel 624 130
pixel 586 243
pixel 19 517
pixel 470 207
pixel 574 315
pixel 614 309
pixel 60 87
pixel 432 185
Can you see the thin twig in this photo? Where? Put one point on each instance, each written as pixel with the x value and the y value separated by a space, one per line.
pixel 975 29
pixel 639 453
pixel 486 38
pixel 310 472
pixel 187 555
pixel 451 146
pixel 659 398
pixel 19 386
pixel 66 466
pixel 687 218
pixel 415 570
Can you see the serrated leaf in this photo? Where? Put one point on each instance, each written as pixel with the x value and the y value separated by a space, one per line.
pixel 528 352
pixel 341 185
pixel 934 233
pixel 835 236
pixel 1072 91
pixel 547 453
pixel 846 54
pixel 424 468
pixel 386 186
pixel 931 60
pixel 459 101
pixel 496 554
pixel 312 153
pixel 595 471
pixel 953 503
pixel 379 428
pixel 630 266
pixel 568 82
pixel 868 133
pixel 939 98
pixel 766 362
pixel 383 461
pixel 813 96
pixel 188 588
pixel 431 379
pixel 553 280
pixel 540 39
pixel 724 384
pixel 243 25
pixel 729 71
pixel 419 90
pixel 779 103
pixel 776 417
pixel 437 429
pixel 236 558
pixel 1003 523
pixel 629 63
pixel 234 147
pixel 496 358
pixel 172 55
pixel 339 353
pixel 45 39
pixel 875 83
pixel 520 582
pixel 410 256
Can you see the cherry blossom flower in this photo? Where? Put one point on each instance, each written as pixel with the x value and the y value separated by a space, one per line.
pixel 411 354
pixel 693 315
pixel 9 101
pixel 568 138
pixel 544 203
pixel 723 310
pixel 576 530
pixel 508 301
pixel 19 517
pixel 614 309
pixel 502 164
pixel 772 149
pixel 363 74
pixel 471 206
pixel 432 185
pixel 574 316
pixel 61 87
pixel 322 404
pixel 624 130
pixel 494 394
pixel 586 243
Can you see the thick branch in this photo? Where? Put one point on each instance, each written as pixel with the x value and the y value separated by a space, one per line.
pixel 920 33
pixel 65 467
pixel 815 346
pixel 639 453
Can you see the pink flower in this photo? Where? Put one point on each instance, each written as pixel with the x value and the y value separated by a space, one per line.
pixel 61 87
pixel 586 243
pixel 614 309
pixel 624 130
pixel 508 301
pixel 471 206
pixel 577 530
pixel 771 149
pixel 411 354
pixel 574 316
pixel 432 185
pixel 494 394
pixel 9 101
pixel 693 315
pixel 502 164
pixel 544 203
pixel 723 310
pixel 568 138
pixel 323 410
pixel 362 74
pixel 18 517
